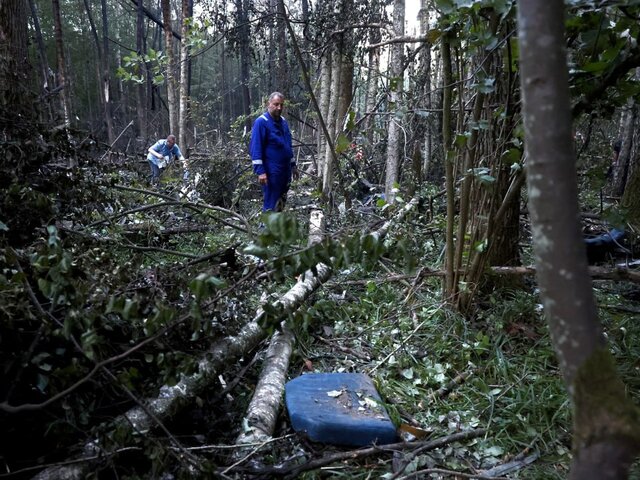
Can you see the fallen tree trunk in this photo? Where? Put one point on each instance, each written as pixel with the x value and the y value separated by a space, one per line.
pixel 264 407
pixel 617 274
pixel 170 399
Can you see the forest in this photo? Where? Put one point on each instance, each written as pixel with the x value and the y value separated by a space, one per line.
pixel 460 240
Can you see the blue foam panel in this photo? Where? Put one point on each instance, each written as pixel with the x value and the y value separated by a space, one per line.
pixel 338 408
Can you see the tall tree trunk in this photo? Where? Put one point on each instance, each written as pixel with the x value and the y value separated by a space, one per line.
pixel 606 426
pixel 487 239
pixel 183 117
pixel 282 67
pixel 396 71
pixel 48 82
pixel 63 80
pixel 448 161
pixel 621 168
pixel 106 77
pixel 103 68
pixel 345 95
pixel 172 98
pixel 327 172
pixel 272 56
pixel 244 37
pixel 144 87
pixel 372 91
pixel 15 99
pixel 325 98
pixel 425 126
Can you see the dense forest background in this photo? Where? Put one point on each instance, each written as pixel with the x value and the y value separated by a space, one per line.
pixel 464 231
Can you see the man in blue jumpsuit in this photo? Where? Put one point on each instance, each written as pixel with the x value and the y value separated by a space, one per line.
pixel 272 154
pixel 161 154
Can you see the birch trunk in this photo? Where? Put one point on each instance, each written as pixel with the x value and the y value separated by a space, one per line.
pixel 396 71
pixel 48 83
pixel 63 80
pixel 183 87
pixel 325 93
pixel 172 99
pixel 141 103
pixel 327 172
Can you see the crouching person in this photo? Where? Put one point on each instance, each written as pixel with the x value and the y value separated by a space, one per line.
pixel 161 154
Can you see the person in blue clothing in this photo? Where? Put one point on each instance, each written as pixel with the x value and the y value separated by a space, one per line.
pixel 161 154
pixel 271 154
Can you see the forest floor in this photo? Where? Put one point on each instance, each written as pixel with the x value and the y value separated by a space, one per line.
pixel 140 260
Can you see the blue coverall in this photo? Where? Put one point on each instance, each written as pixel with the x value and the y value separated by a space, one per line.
pixel 272 153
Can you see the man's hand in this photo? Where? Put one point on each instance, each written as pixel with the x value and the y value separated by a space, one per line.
pixel 262 179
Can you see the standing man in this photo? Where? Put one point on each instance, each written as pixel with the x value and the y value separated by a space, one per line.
pixel 161 154
pixel 272 154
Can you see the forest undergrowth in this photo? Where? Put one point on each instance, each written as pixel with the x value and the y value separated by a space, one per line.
pixel 126 288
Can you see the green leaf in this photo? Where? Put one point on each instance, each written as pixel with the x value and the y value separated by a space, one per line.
pixel 511 156
pixel 462 139
pixel 594 67
pixel 256 251
pixel 342 144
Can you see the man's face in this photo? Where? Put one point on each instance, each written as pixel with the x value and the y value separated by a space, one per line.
pixel 171 142
pixel 275 107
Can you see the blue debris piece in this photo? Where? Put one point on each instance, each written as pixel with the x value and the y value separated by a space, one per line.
pixel 338 408
pixel 599 246
pixel 612 237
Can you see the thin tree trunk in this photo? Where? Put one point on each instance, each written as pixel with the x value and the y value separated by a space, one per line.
pixel 63 80
pixel 448 160
pixel 606 428
pixel 273 51
pixel 103 71
pixel 106 77
pixel 621 168
pixel 172 98
pixel 183 117
pixel 345 95
pixel 394 144
pixel 282 67
pixel 465 194
pixel 244 34
pixel 329 164
pixel 325 98
pixel 141 89
pixel 48 83
pixel 372 91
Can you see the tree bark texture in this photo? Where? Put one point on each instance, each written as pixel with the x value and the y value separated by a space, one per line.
pixel 621 168
pixel 183 87
pixel 394 145
pixel 329 155
pixel 244 35
pixel 606 423
pixel 172 71
pixel 48 82
pixel 448 161
pixel 63 78
pixel 105 83
pixel 14 99
pixel 142 89
pixel 264 408
pixel 324 96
